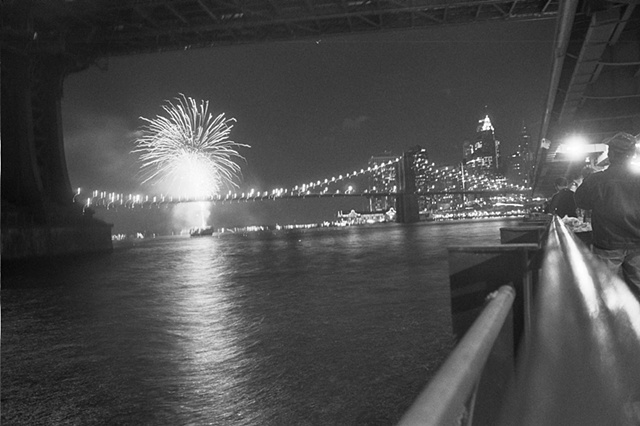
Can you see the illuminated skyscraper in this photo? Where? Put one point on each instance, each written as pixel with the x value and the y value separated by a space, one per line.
pixel 484 153
pixel 521 161
pixel 423 175
pixel 526 152
pixel 421 167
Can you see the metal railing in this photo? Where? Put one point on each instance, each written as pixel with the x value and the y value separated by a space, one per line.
pixel 446 398
pixel 579 363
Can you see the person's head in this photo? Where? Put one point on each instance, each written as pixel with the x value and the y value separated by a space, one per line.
pixel 622 147
pixel 561 183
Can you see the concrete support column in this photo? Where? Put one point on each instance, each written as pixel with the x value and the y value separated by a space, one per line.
pixel 39 218
pixel 48 75
pixel 21 180
pixel 34 171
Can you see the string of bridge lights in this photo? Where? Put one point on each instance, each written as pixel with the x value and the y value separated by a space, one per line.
pixel 113 199
pixel 307 187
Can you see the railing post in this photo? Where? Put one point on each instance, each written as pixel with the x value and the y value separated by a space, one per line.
pixel 522 234
pixel 476 271
pixel 444 400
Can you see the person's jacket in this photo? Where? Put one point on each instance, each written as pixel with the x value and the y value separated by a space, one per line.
pixel 563 204
pixel 613 196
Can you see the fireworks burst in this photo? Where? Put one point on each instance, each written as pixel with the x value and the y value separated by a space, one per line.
pixel 189 149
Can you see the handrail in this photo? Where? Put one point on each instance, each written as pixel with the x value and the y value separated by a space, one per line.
pixel 443 401
pixel 581 363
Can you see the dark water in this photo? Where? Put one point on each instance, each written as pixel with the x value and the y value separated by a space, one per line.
pixel 317 327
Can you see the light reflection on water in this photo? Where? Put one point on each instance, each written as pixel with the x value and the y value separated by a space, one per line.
pixel 315 327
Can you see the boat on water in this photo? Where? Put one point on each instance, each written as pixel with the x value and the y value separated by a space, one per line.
pixel 202 232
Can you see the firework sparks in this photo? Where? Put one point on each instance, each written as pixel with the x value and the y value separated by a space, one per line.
pixel 189 149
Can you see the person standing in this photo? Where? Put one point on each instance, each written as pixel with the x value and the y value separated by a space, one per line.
pixel 613 196
pixel 562 203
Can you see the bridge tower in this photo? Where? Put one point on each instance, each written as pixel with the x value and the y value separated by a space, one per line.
pixel 407 210
pixel 39 216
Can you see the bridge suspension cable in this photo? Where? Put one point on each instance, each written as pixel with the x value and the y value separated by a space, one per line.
pixel 320 187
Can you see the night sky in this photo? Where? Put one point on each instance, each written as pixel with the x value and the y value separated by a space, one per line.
pixel 313 109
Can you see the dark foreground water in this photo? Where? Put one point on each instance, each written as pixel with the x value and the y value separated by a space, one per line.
pixel 318 327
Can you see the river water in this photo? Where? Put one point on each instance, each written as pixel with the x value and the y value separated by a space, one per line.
pixel 330 326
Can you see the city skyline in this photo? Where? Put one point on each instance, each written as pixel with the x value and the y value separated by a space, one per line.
pixel 514 171
pixel 310 109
